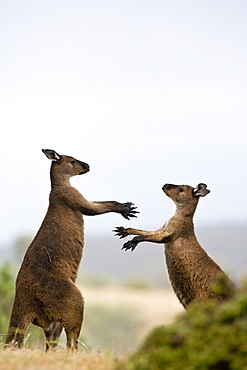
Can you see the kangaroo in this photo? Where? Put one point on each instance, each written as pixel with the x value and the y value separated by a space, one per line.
pixel 46 294
pixel 191 271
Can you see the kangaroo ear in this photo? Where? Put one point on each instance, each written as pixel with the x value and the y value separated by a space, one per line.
pixel 201 190
pixel 52 155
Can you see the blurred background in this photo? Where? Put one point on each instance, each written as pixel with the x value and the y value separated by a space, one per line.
pixel 146 92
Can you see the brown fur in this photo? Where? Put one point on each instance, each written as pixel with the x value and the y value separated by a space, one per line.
pixel 191 271
pixel 46 294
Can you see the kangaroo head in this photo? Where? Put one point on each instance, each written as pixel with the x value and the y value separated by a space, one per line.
pixel 65 166
pixel 185 195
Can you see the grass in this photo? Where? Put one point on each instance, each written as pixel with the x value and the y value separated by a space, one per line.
pixel 36 359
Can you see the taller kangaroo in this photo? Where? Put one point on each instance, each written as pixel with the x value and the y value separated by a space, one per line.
pixel 191 271
pixel 46 294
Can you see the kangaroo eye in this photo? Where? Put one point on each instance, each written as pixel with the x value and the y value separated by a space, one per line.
pixel 180 190
pixel 73 162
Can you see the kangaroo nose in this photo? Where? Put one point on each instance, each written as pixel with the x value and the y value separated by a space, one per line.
pixel 84 165
pixel 166 187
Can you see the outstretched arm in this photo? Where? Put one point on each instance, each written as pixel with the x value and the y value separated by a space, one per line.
pixel 127 210
pixel 158 236
pixel 122 232
pixel 76 201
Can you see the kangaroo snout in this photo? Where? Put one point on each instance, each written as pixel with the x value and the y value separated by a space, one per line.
pixel 168 187
pixel 84 166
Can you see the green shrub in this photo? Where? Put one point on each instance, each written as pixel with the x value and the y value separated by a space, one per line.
pixel 7 289
pixel 207 336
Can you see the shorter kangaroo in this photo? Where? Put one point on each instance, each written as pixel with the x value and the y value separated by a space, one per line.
pixel 191 271
pixel 46 294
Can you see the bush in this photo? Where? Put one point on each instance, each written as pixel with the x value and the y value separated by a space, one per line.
pixel 207 336
pixel 7 289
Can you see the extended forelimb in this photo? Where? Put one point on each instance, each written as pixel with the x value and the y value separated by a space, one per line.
pixel 76 201
pixel 156 236
pixel 127 210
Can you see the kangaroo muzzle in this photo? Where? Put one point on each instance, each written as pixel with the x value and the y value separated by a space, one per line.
pixel 167 187
pixel 85 167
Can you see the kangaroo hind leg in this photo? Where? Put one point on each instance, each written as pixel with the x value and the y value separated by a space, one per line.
pixel 52 335
pixel 17 330
pixel 73 318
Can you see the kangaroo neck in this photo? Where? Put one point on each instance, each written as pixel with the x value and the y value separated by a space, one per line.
pixel 182 223
pixel 59 179
pixel 184 211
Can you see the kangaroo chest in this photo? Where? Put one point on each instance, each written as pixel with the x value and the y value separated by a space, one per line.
pixel 180 268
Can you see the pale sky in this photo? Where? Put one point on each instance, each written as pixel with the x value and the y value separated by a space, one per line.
pixel 146 92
